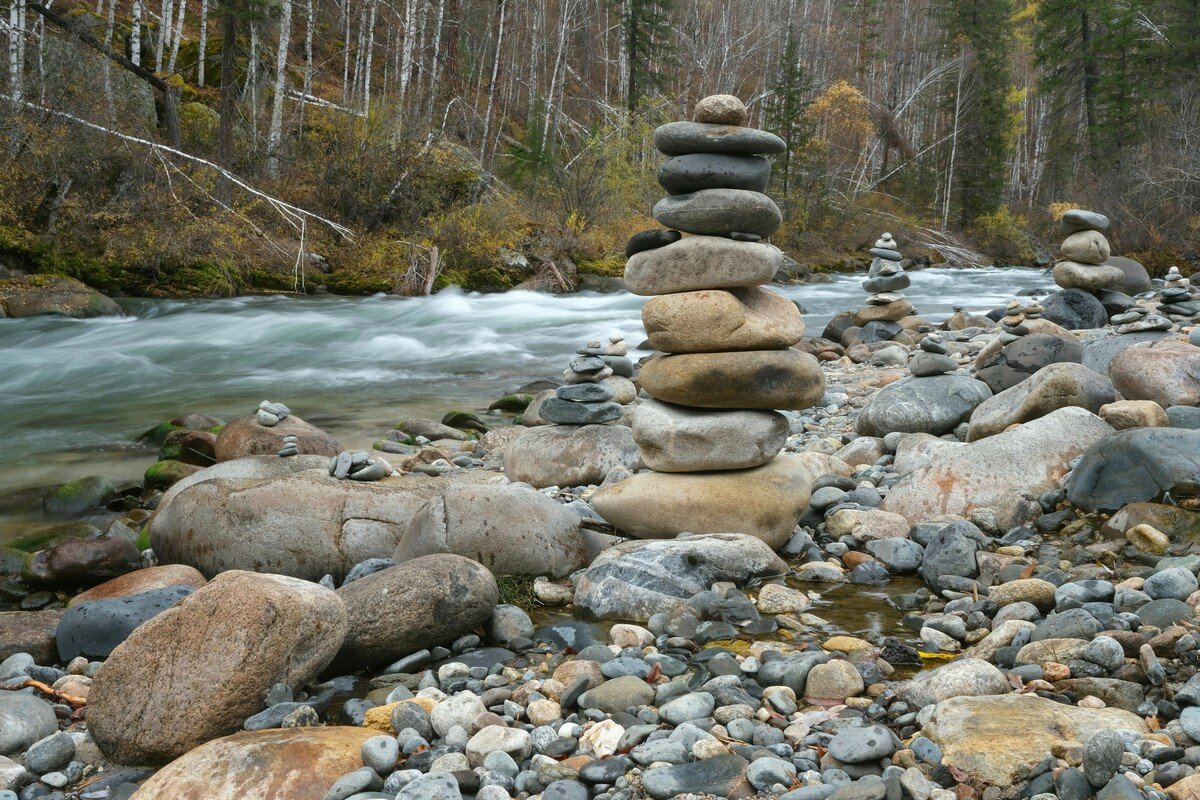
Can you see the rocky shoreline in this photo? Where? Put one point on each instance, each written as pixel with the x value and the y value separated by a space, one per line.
pixel 625 594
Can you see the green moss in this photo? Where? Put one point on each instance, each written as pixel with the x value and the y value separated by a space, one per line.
pixel 517 590
pixel 54 535
pixel 512 403
pixel 143 539
pixel 163 474
pixel 12 561
pixel 608 267
pixel 482 279
pixel 344 281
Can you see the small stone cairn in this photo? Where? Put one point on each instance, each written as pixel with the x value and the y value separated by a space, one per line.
pixel 1017 316
pixel 931 358
pixel 586 399
pixel 359 466
pixel 1085 251
pixel 271 414
pixel 885 306
pixel 1179 300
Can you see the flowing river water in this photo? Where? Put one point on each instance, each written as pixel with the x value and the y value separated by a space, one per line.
pixel 76 394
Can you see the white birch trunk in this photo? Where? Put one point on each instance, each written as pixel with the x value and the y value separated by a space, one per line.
pixel 203 42
pixel 176 37
pixel 275 133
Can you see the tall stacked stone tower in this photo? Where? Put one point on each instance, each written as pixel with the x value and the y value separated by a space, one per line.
pixel 712 435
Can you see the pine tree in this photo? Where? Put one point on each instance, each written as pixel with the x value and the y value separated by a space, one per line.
pixel 649 46
pixel 981 31
pixel 785 110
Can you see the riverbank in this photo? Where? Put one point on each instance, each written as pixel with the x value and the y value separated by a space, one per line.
pixel 985 586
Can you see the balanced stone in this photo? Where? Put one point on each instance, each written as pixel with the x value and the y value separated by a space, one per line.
pixel 924 364
pixel 1086 247
pixel 721 109
pixel 720 212
pixel 679 138
pixel 756 379
pixel 1078 219
pixel 893 311
pixel 715 320
pixel 764 502
pixel 887 283
pixel 586 392
pixel 650 240
pixel 680 439
pixel 885 253
pixel 567 412
pixel 702 262
pixel 696 171
pixel 1090 277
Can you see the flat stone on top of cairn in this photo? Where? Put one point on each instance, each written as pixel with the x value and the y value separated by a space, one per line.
pixel 725 364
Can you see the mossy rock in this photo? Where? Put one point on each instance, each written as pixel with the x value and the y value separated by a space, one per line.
pixel 192 422
pixel 54 295
pixel 198 124
pixel 55 535
pixel 512 403
pixel 78 496
pixel 163 474
pixel 12 561
pixel 465 421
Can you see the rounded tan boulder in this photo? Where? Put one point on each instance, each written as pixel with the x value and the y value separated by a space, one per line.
pixel 1090 277
pixel 198 670
pixel 1166 372
pixel 754 379
pixel 764 502
pixel 245 436
pixel 143 580
pixel 1086 247
pixel 292 763
pixel 713 320
pixel 428 601
pixel 1126 414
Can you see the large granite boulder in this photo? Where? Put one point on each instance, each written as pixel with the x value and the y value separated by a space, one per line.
pixel 1018 360
pixel 635 580
pixel 1005 472
pixel 1049 389
pixel 198 670
pixel 246 436
pixel 509 529
pixel 292 763
pixel 53 295
pixel 993 738
pixel 1137 279
pixel 1166 372
pixel 569 455
pixel 764 502
pixel 421 603
pixel 1099 353
pixel 305 524
pixel 1075 310
pixel 1137 465
pixel 936 405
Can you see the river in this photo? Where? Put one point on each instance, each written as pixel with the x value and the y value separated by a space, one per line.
pixel 75 394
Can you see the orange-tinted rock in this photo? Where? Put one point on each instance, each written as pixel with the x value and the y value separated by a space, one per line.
pixel 245 436
pixel 143 580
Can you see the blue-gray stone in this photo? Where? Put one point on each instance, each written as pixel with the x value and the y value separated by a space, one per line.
pixel 94 628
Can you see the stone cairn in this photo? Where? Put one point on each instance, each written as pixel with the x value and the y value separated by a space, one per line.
pixel 1179 300
pixel 880 320
pixel 724 360
pixel 931 358
pixel 1017 319
pixel 1085 251
pixel 586 398
pixel 359 466
pixel 271 414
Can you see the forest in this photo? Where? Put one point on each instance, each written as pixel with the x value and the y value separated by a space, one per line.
pixel 213 147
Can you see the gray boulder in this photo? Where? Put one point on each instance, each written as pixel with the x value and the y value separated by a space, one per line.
pixel 1020 359
pixel 635 580
pixel 1136 465
pixel 1075 310
pixel 567 455
pixel 1049 389
pixel 509 529
pixel 95 628
pixel 935 405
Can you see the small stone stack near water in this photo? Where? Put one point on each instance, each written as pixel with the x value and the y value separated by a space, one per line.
pixel 880 320
pixel 1179 300
pixel 1085 251
pixel 585 398
pixel 724 364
